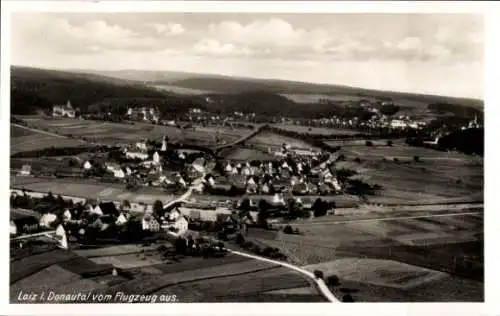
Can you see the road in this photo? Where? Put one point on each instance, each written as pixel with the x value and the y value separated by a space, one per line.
pixel 244 138
pixel 46 133
pixel 319 282
pixel 310 223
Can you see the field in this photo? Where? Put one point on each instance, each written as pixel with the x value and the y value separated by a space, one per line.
pixel 113 133
pixel 440 244
pixel 180 90
pixel 266 140
pixel 23 139
pixel 191 279
pixel 314 98
pixel 245 154
pixel 315 130
pixel 436 177
pixel 89 189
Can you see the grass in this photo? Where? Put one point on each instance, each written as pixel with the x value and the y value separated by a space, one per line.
pixel 315 130
pixel 111 133
pixel 267 140
pixel 152 284
pixel 246 154
pixel 246 284
pixel 313 98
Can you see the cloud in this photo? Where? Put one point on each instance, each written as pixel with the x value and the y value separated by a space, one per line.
pixel 169 29
pixel 92 36
pixel 215 48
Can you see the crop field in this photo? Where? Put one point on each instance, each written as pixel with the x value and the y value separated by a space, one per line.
pixel 266 140
pixel 34 141
pixel 111 133
pixel 52 278
pixel 89 189
pixel 315 130
pixel 16 131
pixel 217 290
pixel 154 283
pixel 314 98
pixel 246 154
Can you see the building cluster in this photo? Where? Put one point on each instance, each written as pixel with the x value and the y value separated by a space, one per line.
pixel 144 113
pixel 64 110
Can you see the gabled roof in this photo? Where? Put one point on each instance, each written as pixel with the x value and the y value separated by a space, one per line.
pixel 108 208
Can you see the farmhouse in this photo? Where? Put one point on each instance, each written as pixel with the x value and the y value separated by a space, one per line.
pixel 149 223
pixel 25 170
pixel 65 110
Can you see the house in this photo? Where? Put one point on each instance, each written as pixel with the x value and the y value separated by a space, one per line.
pixel 47 220
pixel 121 220
pixel 87 165
pixel 65 110
pixel 13 228
pixel 156 158
pixel 174 214
pixel 149 223
pixel 164 144
pixel 67 215
pixel 25 170
pixel 181 224
pixel 278 199
pixel 95 210
pixel 136 154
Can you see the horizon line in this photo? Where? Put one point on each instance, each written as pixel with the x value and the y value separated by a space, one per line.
pixel 89 71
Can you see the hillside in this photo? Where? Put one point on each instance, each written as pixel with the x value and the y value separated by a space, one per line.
pixel 33 89
pixel 213 83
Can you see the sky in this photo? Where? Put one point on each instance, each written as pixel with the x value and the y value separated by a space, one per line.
pixel 421 53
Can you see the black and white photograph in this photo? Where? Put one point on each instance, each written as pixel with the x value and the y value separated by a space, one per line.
pixel 245 157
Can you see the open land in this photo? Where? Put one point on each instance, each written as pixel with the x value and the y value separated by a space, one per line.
pixel 315 130
pixel 190 279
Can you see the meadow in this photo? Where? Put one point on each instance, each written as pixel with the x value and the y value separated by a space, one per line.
pixel 324 131
pixel 114 133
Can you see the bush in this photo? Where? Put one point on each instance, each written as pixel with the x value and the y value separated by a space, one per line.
pixel 357 160
pixel 333 280
pixel 395 159
pixel 347 298
pixel 256 249
pixel 288 229
pixel 318 274
pixel 416 158
pixel 240 239
pixel 389 143
pixel 369 143
pixel 267 251
pixel 247 245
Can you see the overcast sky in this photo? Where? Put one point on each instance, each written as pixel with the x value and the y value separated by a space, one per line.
pixel 438 54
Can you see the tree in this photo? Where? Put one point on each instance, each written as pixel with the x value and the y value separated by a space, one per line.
pixel 416 158
pixel 288 229
pixel 245 204
pixel 389 109
pixel 320 207
pixel 180 245
pixel 240 239
pixel 318 274
pixel 333 280
pixel 347 298
pixel 158 208
pixel 263 213
pixel 389 143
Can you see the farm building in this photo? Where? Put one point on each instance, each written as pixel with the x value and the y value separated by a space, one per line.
pixel 25 170
pixel 149 223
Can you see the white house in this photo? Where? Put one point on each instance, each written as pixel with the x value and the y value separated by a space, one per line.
pixel 67 215
pixel 150 223
pixel 136 154
pixel 121 220
pixel 181 224
pixel 119 174
pixel 96 210
pixel 61 236
pixel 164 145
pixel 278 199
pixel 25 170
pixel 142 145
pixel 398 124
pixel 13 228
pixel 156 158
pixel 47 219
pixel 65 110
pixel 87 165
pixel 174 215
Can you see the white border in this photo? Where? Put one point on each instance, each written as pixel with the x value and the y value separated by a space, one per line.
pixel 492 221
